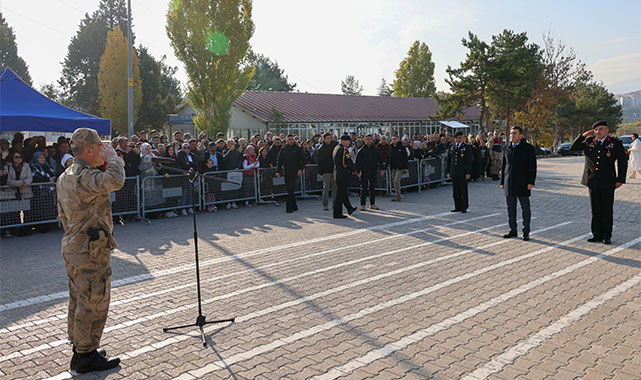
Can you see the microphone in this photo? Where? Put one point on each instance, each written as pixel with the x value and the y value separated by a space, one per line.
pixel 159 160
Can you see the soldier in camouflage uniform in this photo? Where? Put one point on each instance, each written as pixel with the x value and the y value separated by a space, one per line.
pixel 85 212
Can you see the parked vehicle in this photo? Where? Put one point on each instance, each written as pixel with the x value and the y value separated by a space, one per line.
pixel 564 150
pixel 626 140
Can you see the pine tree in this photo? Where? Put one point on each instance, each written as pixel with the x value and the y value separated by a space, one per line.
pixel 385 89
pixel 351 86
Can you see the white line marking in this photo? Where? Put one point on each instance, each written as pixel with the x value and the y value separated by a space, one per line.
pixel 217 278
pixel 546 333
pixel 258 287
pixel 164 272
pixel 460 317
pixel 200 372
pixel 188 335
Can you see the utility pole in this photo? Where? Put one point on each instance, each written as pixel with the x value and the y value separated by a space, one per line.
pixel 130 76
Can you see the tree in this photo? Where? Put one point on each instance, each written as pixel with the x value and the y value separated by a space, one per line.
pixel 351 86
pixel 112 82
pixel 515 67
pixel 160 91
pixel 9 52
pixel 276 119
pixel 211 38
pixel 385 89
pixel 469 82
pixel 79 81
pixel 560 70
pixel 415 75
pixel 268 76
pixel 52 92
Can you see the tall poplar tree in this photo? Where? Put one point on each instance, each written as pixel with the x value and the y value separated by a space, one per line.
pixel 112 82
pixel 211 38
pixel 415 75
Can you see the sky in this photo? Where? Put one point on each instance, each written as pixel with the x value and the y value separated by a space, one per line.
pixel 318 43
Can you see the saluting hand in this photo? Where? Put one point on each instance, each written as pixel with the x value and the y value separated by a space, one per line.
pixel 588 133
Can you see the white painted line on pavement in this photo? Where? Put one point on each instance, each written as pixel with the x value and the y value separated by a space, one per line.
pixel 337 322
pixel 200 372
pixel 258 287
pixel 496 364
pixel 63 316
pixel 546 333
pixel 164 272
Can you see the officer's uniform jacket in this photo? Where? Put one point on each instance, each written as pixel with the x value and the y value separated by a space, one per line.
pixel 83 201
pixel 599 170
pixel 343 164
pixel 459 161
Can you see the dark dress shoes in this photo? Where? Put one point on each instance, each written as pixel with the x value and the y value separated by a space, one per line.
pixel 464 211
pixel 511 234
pixel 353 210
pixel 526 237
pixel 607 241
pixel 94 361
pixel 455 210
pixel 595 240
pixel 340 216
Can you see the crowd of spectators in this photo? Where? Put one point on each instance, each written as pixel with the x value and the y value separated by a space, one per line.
pixel 29 161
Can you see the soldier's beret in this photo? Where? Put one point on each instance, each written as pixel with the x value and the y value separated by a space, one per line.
pixel 83 137
pixel 345 137
pixel 598 123
pixel 459 133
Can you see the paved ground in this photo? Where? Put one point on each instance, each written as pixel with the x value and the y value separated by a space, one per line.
pixel 411 292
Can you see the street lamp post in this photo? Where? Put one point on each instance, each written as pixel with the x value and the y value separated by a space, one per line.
pixel 130 76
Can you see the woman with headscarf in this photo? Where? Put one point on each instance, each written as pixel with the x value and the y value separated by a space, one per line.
pixel 251 165
pixel 19 181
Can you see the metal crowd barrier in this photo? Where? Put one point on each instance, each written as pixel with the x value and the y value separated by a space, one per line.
pixel 431 171
pixel 171 193
pixel 270 186
pixel 312 180
pixel 126 201
pixel 411 178
pixel 30 205
pixel 216 192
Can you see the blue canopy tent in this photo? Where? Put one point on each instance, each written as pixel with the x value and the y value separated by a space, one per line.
pixel 24 109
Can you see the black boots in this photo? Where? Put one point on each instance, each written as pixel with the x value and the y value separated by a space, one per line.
pixel 95 360
pixel 511 234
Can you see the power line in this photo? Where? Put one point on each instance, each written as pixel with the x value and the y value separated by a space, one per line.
pixel 35 21
pixel 72 7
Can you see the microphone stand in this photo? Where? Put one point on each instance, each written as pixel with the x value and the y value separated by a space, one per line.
pixel 201 321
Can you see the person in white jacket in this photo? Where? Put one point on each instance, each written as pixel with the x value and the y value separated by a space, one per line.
pixel 251 165
pixel 634 162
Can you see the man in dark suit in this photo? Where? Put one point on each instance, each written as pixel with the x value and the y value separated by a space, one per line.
pixel 369 162
pixel 343 168
pixel 518 173
pixel 459 169
pixel 291 159
pixel 600 176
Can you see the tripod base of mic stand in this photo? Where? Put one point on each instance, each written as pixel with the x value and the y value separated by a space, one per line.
pixel 200 322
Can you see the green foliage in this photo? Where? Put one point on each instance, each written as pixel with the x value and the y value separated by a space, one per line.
pixel 113 82
pixel 160 91
pixel 468 82
pixel 9 52
pixel 515 67
pixel 415 75
pixel 276 120
pixel 268 76
pixel 351 86
pixel 385 89
pixel 215 81
pixel 79 81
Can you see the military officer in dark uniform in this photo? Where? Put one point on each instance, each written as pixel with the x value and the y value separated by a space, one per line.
pixel 459 169
pixel 343 169
pixel 600 176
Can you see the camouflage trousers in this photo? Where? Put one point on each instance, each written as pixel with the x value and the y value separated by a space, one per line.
pixel 495 163
pixel 89 293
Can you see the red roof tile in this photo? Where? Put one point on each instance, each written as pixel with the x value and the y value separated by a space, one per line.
pixel 305 107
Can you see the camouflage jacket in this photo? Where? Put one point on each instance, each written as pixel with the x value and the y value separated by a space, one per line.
pixel 83 201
